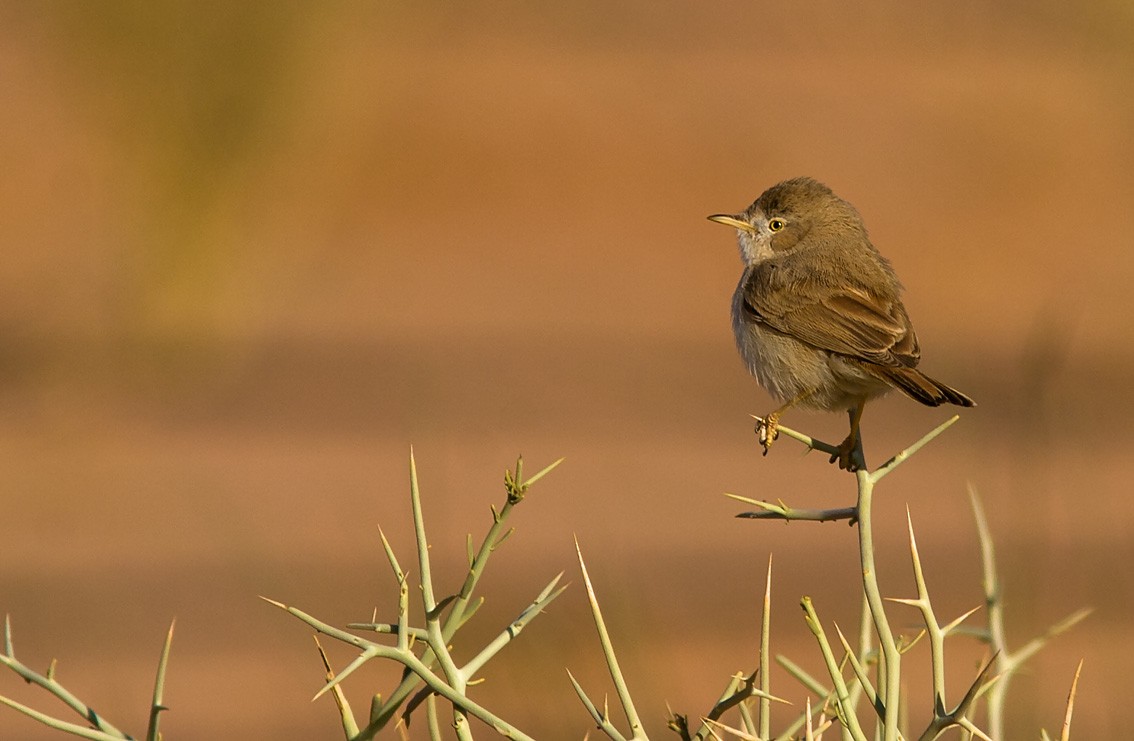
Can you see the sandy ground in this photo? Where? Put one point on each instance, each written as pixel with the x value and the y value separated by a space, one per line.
pixel 250 257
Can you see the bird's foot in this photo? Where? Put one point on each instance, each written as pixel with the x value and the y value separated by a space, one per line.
pixel 846 454
pixel 767 430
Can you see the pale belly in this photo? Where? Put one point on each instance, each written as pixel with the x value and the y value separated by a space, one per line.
pixel 788 368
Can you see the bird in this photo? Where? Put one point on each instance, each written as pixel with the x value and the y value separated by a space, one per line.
pixel 818 315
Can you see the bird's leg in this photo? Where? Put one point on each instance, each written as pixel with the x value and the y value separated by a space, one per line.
pixel 767 428
pixel 845 455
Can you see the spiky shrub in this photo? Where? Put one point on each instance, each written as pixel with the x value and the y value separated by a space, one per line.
pixel 870 670
pixel 858 699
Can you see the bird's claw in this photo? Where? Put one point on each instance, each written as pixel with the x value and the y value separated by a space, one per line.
pixel 767 430
pixel 845 456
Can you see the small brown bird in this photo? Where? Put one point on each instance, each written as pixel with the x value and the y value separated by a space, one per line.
pixel 817 315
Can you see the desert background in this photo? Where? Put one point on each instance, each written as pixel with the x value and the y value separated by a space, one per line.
pixel 250 253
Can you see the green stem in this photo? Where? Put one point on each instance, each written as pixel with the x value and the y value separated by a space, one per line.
pixel 891 657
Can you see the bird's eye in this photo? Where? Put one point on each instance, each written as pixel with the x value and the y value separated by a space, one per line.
pixel 776 224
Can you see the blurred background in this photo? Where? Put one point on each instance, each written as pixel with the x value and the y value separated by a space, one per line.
pixel 251 252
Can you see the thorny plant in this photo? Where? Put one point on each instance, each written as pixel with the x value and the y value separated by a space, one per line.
pixel 425 650
pixel 431 675
pixel 874 673
pixel 97 727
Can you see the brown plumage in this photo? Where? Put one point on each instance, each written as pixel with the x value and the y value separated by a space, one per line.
pixel 818 315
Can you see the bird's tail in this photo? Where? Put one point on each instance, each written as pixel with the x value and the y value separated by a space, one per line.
pixel 920 387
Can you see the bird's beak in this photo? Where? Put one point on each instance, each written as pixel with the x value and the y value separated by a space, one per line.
pixel 734 222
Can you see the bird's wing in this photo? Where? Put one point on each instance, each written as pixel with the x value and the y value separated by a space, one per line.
pixel 849 320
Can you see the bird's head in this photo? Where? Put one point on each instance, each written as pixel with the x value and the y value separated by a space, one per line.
pixel 785 214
